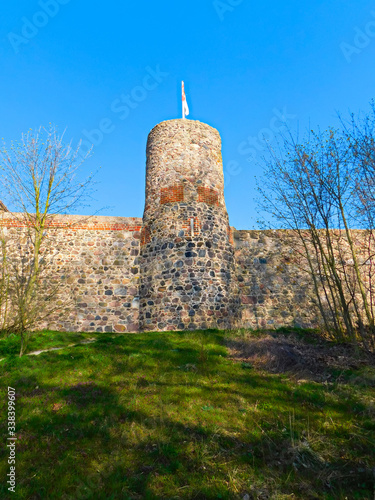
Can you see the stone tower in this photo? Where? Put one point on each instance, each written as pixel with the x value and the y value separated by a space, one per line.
pixel 186 262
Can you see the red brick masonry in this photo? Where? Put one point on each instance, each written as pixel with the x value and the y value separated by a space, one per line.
pixel 230 235
pixel 172 194
pixel 75 223
pixel 145 236
pixel 208 195
pixel 197 226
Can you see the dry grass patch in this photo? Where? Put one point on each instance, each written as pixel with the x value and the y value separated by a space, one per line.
pixel 314 359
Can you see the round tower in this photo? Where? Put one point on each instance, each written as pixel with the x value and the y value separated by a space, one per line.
pixel 187 261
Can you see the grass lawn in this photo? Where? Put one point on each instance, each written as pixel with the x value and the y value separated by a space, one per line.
pixel 172 416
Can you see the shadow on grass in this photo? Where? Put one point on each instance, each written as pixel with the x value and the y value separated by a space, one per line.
pixel 127 419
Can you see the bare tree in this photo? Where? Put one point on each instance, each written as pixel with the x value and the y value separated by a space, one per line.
pixel 359 132
pixel 40 178
pixel 315 189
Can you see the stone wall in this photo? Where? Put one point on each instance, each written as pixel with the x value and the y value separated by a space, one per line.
pixel 182 266
pixel 97 261
pixel 274 286
pixel 274 290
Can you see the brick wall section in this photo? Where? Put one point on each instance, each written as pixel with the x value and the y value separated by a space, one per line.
pixel 230 235
pixel 208 195
pixel 186 226
pixel 145 236
pixel 75 223
pixel 172 194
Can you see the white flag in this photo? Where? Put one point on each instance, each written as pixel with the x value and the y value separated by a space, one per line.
pixel 185 107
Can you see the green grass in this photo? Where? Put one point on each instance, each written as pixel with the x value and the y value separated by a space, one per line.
pixel 170 416
pixel 10 345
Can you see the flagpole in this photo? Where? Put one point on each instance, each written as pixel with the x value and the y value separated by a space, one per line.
pixel 183 104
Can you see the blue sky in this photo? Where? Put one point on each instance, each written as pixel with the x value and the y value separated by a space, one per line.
pixel 248 67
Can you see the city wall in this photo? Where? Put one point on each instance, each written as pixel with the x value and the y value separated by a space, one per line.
pixel 96 263
pixel 180 267
pixel 97 260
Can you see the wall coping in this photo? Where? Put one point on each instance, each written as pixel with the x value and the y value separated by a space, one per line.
pixel 75 222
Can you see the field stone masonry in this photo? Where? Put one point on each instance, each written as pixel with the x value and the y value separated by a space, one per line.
pixel 181 267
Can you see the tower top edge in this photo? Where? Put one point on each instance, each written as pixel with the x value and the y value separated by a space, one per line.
pixel 182 123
